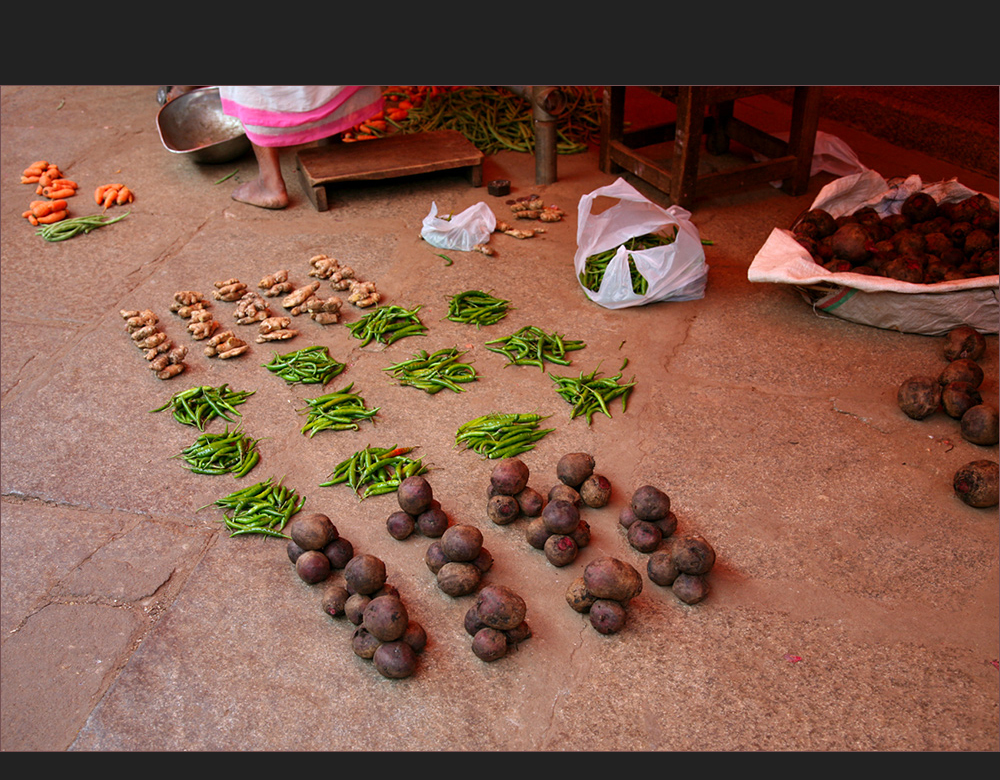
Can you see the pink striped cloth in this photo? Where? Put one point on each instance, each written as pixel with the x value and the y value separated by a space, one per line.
pixel 287 116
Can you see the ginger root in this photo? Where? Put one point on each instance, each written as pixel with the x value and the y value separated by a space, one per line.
pixel 364 294
pixel 225 345
pixel 229 290
pixel 251 308
pixel 299 296
pixel 165 359
pixel 274 323
pixel 323 267
pixel 281 334
pixel 485 249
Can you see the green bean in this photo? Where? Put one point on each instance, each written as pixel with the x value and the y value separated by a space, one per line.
pixel 264 508
pixel 387 324
pixel 339 411
pixel 197 406
pixel 68 228
pixel 532 346
pixel 478 308
pixel 308 366
pixel 590 393
pixel 432 372
pixel 596 265
pixel 384 467
pixel 499 435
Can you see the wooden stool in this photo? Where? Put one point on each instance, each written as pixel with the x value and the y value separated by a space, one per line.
pixel 391 157
pixel 679 180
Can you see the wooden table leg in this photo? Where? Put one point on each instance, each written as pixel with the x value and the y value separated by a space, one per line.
pixel 802 137
pixel 687 144
pixel 612 123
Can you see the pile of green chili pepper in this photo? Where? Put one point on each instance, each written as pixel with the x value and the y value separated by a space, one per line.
pixel 197 406
pixel 499 435
pixel 264 508
pixel 435 371
pixel 307 366
pixel 339 411
pixel 590 393
pixel 495 119
pixel 478 308
pixel 532 346
pixel 375 470
pixel 74 226
pixel 596 265
pixel 229 452
pixel 386 324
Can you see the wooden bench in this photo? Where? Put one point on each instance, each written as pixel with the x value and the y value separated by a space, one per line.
pixel 706 112
pixel 322 167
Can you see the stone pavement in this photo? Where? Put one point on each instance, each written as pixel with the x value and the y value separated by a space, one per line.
pixel 853 605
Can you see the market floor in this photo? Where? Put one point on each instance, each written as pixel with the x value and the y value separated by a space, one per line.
pixel 854 599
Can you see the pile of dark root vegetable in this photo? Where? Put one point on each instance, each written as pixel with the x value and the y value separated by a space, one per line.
pixel 925 243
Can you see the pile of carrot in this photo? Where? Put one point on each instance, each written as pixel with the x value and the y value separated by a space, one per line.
pixel 398 101
pixel 49 182
pixel 108 195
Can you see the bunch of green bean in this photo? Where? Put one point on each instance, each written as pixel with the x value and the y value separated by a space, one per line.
pixel 229 452
pixel 532 346
pixel 434 371
pixel 307 366
pixel 375 470
pixel 478 308
pixel 339 411
pixel 495 119
pixel 596 265
pixel 197 406
pixel 386 324
pixel 590 393
pixel 74 226
pixel 264 508
pixel 500 435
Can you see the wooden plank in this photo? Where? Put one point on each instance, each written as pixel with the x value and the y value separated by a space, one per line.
pixel 403 154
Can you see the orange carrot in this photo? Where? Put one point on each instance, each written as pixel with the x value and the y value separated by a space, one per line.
pixel 68 192
pixel 99 194
pixel 124 196
pixel 32 219
pixel 65 183
pixel 55 216
pixel 29 179
pixel 109 197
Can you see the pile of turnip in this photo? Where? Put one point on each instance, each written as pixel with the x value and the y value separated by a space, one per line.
pixel 956 390
pixel 419 511
pixel 496 622
pixel 604 591
pixel 458 559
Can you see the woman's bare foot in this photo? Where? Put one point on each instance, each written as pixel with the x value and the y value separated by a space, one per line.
pixel 256 193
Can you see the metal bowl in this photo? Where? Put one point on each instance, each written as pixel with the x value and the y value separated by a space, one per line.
pixel 193 124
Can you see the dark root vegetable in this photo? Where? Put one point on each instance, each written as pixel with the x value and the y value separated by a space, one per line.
pixel 650 503
pixel 919 397
pixel 509 476
pixel 611 578
pixel 980 425
pixel 976 483
pixel 661 568
pixel 561 492
pixel 561 517
pixel 364 574
pixel 312 566
pixel 502 509
pixel 964 342
pixel 313 531
pixel 339 551
pixel 574 468
pixel 626 516
pixel 560 549
pixel 535 533
pixel 414 495
pixel 400 525
pixel 483 561
pixel 596 491
pixel 644 536
pixel 433 522
pixel 363 643
pixel 395 660
pixel 293 550
pixel 457 578
pixel 354 607
pixel 386 618
pixel 335 600
pixel 462 542
pixel 958 397
pixel 578 597
pixel 415 636
pixel 690 588
pixel 667 525
pixel 500 607
pixel 693 555
pixel 581 534
pixel 489 644
pixel 435 557
pixel 530 501
pixel 962 370
pixel 472 622
pixel 608 616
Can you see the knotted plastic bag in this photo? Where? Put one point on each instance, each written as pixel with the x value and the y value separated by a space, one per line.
pixel 461 231
pixel 673 272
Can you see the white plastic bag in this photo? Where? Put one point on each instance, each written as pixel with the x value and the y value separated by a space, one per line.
pixel 674 272
pixel 462 231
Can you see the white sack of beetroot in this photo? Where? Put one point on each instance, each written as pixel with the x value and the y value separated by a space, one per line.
pixel 636 252
pixel 463 231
